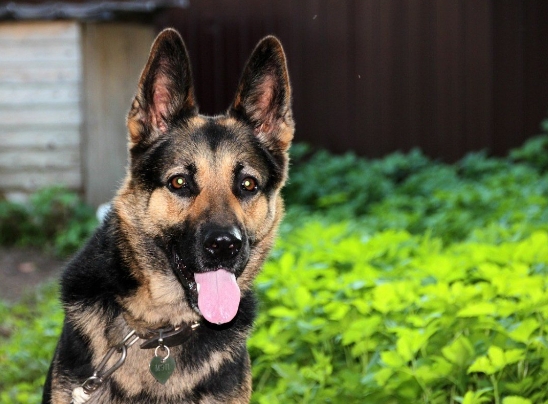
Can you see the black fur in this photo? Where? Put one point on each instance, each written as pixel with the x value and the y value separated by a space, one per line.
pixel 140 269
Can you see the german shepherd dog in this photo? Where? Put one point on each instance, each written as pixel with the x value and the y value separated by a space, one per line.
pixel 159 303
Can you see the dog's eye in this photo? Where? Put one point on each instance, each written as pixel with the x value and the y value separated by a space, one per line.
pixel 249 184
pixel 178 182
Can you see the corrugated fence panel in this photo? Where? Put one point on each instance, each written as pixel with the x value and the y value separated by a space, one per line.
pixel 377 76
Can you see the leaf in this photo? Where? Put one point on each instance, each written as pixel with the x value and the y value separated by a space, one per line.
pixel 475 397
pixel 477 310
pixel 336 311
pixel 361 329
pixel 513 356
pixel 516 400
pixel 283 312
pixel 392 359
pixel 483 365
pixel 459 351
pixel 497 357
pixel 410 341
pixel 522 333
pixel 496 360
pixel 382 376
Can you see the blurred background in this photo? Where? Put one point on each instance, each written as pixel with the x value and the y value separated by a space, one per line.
pixel 372 76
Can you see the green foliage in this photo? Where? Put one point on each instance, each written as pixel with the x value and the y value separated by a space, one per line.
pixel 14 223
pixel 29 331
pixel 401 280
pixel 410 192
pixel 345 186
pixel 348 316
pixel 534 152
pixel 54 219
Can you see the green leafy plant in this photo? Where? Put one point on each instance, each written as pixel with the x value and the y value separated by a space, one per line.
pixel 29 331
pixel 14 223
pixel 400 280
pixel 55 219
pixel 392 317
pixel 534 152
pixel 410 192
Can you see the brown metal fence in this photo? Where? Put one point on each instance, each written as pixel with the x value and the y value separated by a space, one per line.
pixel 382 75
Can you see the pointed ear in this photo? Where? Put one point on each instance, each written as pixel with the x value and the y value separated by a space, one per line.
pixel 165 93
pixel 263 98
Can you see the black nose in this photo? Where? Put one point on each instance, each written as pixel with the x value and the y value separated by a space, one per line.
pixel 223 244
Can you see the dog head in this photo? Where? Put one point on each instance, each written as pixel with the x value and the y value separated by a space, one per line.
pixel 201 202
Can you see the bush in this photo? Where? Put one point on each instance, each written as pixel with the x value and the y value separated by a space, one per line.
pixel 349 317
pixel 409 192
pixel 14 223
pixel 400 280
pixel 534 152
pixel 54 219
pixel 29 331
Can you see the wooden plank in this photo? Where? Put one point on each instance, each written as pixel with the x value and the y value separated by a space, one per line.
pixel 29 52
pixel 38 93
pixel 40 117
pixel 25 159
pixel 30 181
pixel 39 30
pixel 43 74
pixel 36 117
pixel 114 55
pixel 43 139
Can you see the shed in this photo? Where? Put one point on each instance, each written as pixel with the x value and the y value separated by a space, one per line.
pixel 68 72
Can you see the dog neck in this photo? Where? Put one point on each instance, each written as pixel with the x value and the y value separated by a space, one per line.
pixel 170 335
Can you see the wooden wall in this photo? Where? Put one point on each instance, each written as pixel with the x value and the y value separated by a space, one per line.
pixel 40 117
pixel 374 76
pixel 114 55
pixel 65 89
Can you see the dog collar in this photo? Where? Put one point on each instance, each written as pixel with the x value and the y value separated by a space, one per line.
pixel 163 338
pixel 170 337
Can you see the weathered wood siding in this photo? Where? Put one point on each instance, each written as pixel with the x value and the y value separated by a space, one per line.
pixel 114 55
pixel 40 115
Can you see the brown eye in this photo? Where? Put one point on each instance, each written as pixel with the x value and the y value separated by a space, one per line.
pixel 178 182
pixel 249 184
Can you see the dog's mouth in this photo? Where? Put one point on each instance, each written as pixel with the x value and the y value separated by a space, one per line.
pixel 214 294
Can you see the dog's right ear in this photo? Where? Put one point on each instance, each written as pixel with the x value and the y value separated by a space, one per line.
pixel 166 92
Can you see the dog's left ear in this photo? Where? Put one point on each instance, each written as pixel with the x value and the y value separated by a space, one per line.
pixel 165 94
pixel 263 98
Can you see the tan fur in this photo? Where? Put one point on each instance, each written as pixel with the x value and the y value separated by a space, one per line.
pixel 164 110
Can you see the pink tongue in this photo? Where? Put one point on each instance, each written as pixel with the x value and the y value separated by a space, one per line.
pixel 218 296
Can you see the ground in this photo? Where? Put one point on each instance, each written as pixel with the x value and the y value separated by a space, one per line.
pixel 22 269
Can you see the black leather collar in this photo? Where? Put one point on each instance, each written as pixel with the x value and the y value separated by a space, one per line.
pixel 171 336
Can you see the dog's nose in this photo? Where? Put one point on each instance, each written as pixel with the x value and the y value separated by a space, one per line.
pixel 223 244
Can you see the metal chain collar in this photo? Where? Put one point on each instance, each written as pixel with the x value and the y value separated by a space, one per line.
pixel 166 338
